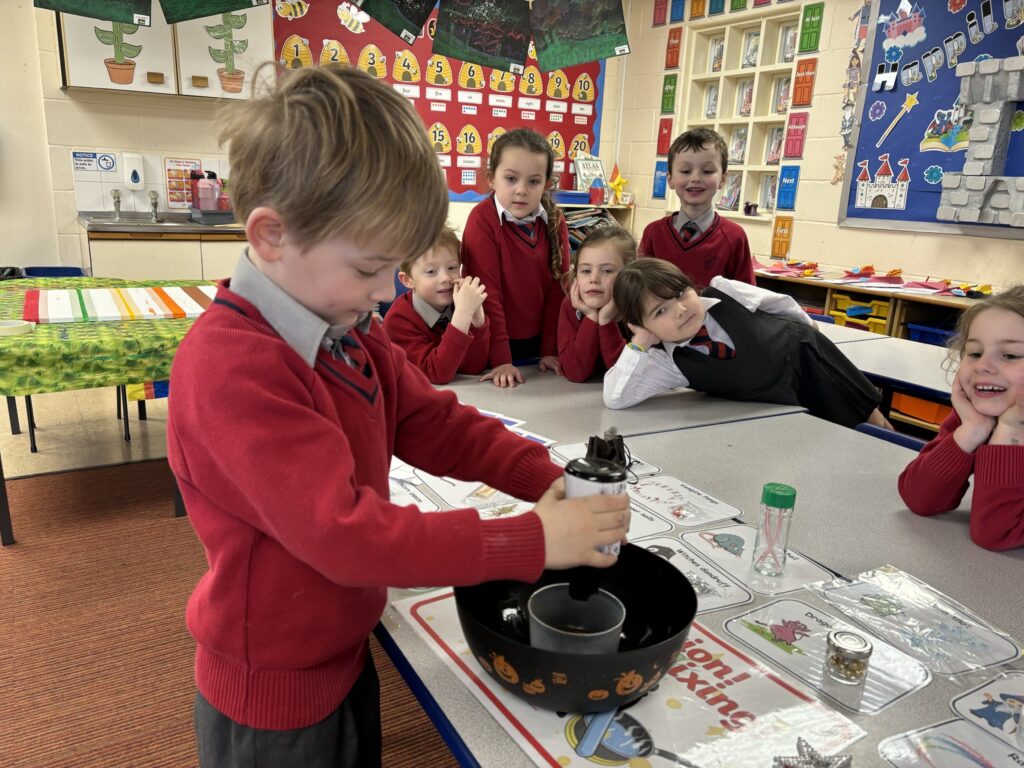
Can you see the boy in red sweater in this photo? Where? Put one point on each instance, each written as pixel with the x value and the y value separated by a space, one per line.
pixel 696 239
pixel 440 321
pixel 289 403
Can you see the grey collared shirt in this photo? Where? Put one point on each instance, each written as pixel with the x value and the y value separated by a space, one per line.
pixel 703 221
pixel 428 313
pixel 303 330
pixel 503 214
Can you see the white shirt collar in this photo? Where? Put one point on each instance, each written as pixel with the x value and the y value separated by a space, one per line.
pixel 540 213
pixel 428 313
pixel 714 329
pixel 703 221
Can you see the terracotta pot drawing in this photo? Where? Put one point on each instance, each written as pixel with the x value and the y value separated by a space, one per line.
pixel 122 74
pixel 231 82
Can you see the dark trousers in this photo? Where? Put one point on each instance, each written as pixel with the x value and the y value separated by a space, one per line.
pixel 525 351
pixel 347 738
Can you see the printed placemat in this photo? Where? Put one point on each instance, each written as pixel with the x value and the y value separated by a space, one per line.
pixel 679 502
pixel 995 707
pixel 715 590
pixel 936 630
pixel 950 744
pixel 715 707
pixel 730 549
pixel 791 634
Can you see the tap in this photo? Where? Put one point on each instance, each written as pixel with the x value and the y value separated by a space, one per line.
pixel 116 194
pixel 154 198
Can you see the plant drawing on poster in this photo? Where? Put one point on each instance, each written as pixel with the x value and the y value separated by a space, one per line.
pixel 464 106
pixel 567 32
pixel 914 127
pixel 217 55
pixel 489 34
pixel 405 18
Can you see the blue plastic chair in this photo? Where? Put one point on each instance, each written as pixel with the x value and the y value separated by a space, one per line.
pixel 399 290
pixel 913 443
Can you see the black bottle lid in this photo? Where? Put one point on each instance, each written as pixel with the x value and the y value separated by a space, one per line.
pixel 596 470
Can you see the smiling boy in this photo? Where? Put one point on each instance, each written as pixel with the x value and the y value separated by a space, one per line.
pixel 440 321
pixel 696 239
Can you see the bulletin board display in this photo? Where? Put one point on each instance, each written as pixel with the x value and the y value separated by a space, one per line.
pixel 913 129
pixel 464 106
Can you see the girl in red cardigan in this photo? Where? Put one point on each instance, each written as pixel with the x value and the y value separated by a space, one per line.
pixel 516 241
pixel 984 436
pixel 589 336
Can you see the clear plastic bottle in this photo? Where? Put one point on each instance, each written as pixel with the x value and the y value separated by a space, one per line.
pixel 777 502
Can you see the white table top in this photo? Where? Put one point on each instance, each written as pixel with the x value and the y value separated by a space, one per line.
pixel 568 412
pixel 849 517
pixel 840 334
pixel 902 361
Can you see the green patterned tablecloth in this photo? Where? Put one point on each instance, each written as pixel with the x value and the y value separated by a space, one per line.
pixel 60 356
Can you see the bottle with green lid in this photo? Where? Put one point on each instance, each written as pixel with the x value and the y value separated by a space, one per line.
pixel 777 503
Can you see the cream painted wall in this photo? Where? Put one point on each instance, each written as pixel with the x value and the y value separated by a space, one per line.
pixel 816 234
pixel 26 191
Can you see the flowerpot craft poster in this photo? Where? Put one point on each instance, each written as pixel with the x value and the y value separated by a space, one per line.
pixel 464 105
pixel 124 57
pixel 218 55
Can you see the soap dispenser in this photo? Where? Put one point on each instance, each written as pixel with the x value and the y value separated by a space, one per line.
pixel 133 177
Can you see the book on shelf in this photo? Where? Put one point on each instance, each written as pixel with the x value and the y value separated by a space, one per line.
pixel 788 36
pixel 773 146
pixel 744 98
pixel 711 101
pixel 716 54
pixel 730 200
pixel 769 184
pixel 751 45
pixel 738 145
pixel 582 221
pixel 780 99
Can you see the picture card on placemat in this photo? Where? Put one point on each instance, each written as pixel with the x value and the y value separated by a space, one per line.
pixel 792 634
pixel 715 590
pixel 951 744
pixel 679 502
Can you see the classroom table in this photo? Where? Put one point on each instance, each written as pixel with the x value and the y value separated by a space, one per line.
pixel 848 517
pixel 56 357
pixel 912 366
pixel 841 334
pixel 557 408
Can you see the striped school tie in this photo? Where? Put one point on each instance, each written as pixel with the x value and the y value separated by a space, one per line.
pixel 690 231
pixel 716 349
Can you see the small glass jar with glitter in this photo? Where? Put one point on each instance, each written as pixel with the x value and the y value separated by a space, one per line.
pixel 847 656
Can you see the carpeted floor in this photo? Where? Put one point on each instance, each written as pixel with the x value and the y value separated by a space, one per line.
pixel 95 660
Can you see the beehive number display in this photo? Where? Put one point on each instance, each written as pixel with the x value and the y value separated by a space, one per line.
pixel 464 106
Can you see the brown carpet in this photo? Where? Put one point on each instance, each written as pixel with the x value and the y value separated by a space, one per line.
pixel 95 660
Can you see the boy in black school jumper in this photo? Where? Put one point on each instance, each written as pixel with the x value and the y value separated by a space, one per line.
pixel 289 403
pixel 696 239
pixel 732 340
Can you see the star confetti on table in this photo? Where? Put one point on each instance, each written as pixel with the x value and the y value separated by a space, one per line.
pixel 809 757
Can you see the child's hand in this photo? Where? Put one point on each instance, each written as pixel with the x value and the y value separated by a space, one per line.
pixel 609 313
pixel 975 428
pixel 576 299
pixel 478 316
pixel 1009 428
pixel 642 337
pixel 468 295
pixel 549 363
pixel 504 376
pixel 575 528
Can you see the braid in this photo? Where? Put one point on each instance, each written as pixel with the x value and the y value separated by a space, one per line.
pixel 554 233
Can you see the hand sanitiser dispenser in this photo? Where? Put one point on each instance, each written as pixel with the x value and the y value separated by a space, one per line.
pixel 133 177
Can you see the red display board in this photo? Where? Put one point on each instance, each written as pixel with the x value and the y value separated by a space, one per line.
pixel 464 106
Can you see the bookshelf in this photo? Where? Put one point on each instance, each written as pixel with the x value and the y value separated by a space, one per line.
pixel 742 74
pixel 582 218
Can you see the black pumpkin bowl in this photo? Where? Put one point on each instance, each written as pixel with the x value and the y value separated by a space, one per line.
pixel 660 607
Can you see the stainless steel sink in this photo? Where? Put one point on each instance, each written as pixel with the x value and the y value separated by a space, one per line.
pixel 134 221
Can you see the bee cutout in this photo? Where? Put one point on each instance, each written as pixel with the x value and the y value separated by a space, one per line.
pixel 580 143
pixel 531 51
pixel 493 137
pixel 373 62
pixel 406 68
pixel 291 9
pixel 439 138
pixel 531 83
pixel 471 76
pixel 558 85
pixel 352 18
pixel 583 88
pixel 469 141
pixel 334 52
pixel 502 82
pixel 557 145
pixel 439 71
pixel 295 53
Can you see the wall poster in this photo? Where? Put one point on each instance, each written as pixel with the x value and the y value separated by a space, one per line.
pixel 463 105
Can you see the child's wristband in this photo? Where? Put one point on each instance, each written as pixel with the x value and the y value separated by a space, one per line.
pixel 637 347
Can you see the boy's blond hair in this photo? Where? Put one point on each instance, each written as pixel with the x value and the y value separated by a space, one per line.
pixel 647 276
pixel 446 240
pixel 335 152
